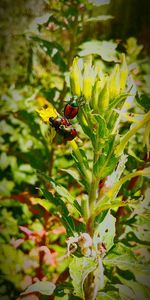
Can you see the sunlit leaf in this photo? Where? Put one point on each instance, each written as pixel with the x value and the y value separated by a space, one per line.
pixel 62 191
pixel 42 287
pixel 131 288
pixel 102 168
pixel 124 258
pixel 99 2
pixel 102 127
pixel 62 211
pixel 43 202
pixel 109 295
pixel 54 50
pixel 105 49
pixel 6 186
pixel 43 19
pixel 105 231
pixel 100 18
pixel 125 292
pixel 79 269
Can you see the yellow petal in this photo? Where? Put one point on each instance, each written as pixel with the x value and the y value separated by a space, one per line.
pixel 46 113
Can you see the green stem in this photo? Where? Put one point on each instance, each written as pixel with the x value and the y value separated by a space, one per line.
pixel 92 194
pixel 93 189
pixel 85 209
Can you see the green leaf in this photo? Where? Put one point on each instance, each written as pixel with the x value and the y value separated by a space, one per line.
pixel 79 269
pixel 98 165
pixel 54 50
pixel 12 262
pixel 110 295
pixel 125 292
pixel 78 207
pixel 35 130
pixel 106 49
pixel 105 232
pixel 106 162
pixel 6 186
pixel 61 191
pixel 118 100
pixel 4 161
pixel 140 236
pixel 103 168
pixel 138 290
pixel 143 100
pixel 72 172
pixel 43 202
pixel 81 169
pixel 42 287
pixel 9 224
pixel 85 160
pixel 100 18
pixel 141 292
pixel 61 207
pixel 99 2
pixel 43 19
pixel 115 176
pixel 123 258
pixel 102 127
pixel 110 166
pixel 107 203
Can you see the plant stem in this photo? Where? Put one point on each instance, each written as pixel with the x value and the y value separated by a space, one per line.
pixel 85 209
pixel 93 189
pixel 92 193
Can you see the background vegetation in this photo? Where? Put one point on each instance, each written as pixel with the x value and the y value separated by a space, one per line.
pixel 39 40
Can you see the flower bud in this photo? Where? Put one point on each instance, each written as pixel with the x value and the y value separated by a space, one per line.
pixel 114 82
pixel 88 80
pixel 76 78
pixel 103 100
pixel 85 240
pixel 95 94
pixel 86 252
pixel 123 72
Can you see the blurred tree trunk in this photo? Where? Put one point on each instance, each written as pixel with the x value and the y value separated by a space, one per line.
pixel 131 18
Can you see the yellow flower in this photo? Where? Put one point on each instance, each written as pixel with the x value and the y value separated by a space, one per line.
pixel 46 113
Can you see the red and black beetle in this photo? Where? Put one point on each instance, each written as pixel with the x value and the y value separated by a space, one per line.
pixel 68 133
pixel 71 109
pixel 63 127
pixel 57 122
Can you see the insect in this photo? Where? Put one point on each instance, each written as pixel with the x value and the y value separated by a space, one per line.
pixel 68 133
pixel 58 121
pixel 71 109
pixel 63 127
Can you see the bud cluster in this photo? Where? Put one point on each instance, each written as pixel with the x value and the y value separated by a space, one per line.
pixel 97 88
